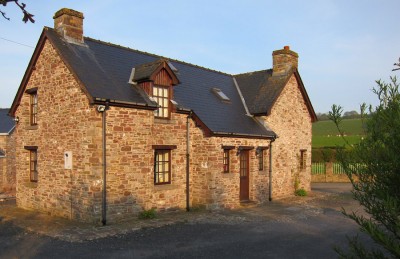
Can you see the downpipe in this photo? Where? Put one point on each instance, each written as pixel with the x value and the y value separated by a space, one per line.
pixel 270 169
pixel 188 162
pixel 103 109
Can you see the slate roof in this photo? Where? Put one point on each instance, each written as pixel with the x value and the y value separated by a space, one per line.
pixel 104 69
pixel 6 122
pixel 144 71
pixel 260 89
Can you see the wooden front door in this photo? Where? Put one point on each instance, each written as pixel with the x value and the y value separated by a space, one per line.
pixel 244 175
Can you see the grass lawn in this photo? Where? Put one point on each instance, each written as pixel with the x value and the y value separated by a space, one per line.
pixel 350 127
pixel 325 133
pixel 333 141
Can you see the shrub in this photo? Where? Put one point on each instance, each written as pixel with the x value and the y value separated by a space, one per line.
pixel 376 182
pixel 148 214
pixel 300 192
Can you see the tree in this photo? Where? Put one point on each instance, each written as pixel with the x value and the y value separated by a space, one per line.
pixel 373 168
pixel 351 115
pixel 27 16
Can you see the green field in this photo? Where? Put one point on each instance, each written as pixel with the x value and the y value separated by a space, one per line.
pixel 325 133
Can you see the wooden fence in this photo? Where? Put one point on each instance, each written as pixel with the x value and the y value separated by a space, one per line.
pixel 330 172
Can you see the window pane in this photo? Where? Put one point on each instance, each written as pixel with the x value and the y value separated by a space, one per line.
pixel 161 96
pixel 162 172
pixel 33 165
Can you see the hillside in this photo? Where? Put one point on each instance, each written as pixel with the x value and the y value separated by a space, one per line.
pixel 325 133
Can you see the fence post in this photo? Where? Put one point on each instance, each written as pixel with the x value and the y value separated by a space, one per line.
pixel 329 172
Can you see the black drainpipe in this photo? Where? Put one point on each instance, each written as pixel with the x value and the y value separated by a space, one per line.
pixel 270 169
pixel 104 194
pixel 188 162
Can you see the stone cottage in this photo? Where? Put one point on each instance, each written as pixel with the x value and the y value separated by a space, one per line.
pixel 106 131
pixel 7 152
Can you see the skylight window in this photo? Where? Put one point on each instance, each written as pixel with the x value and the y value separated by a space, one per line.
pixel 220 94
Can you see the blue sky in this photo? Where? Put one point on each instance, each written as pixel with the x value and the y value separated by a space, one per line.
pixel 344 46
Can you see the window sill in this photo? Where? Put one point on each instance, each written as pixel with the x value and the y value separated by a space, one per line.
pixel 164 187
pixel 263 171
pixel 32 127
pixel 164 121
pixel 228 175
pixel 31 185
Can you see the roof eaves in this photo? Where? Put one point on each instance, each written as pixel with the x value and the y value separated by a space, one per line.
pixel 118 103
pixel 243 135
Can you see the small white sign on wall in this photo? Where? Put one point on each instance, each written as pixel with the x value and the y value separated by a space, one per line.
pixel 68 160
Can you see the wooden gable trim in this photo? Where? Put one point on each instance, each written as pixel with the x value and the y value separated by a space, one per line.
pixel 31 67
pixel 164 65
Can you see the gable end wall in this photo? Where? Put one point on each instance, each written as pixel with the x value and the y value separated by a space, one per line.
pixel 291 120
pixel 66 122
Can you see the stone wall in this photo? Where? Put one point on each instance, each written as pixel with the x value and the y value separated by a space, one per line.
pixel 3 167
pixel 131 134
pixel 66 122
pixel 212 187
pixel 291 120
pixel 7 163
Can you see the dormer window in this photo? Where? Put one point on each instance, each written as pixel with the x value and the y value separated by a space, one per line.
pixel 162 97
pixel 157 80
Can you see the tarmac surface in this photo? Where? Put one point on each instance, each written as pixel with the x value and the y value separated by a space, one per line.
pixel 300 227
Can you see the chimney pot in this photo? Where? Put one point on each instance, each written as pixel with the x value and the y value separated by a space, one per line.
pixel 69 24
pixel 286 48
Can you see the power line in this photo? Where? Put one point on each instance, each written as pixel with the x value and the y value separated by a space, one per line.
pixel 16 42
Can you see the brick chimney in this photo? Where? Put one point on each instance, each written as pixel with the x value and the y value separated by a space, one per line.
pixel 283 60
pixel 69 24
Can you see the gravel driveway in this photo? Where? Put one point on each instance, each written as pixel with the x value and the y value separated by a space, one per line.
pixel 296 227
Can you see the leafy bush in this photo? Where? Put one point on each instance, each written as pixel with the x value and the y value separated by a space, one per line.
pixel 300 192
pixel 148 214
pixel 376 183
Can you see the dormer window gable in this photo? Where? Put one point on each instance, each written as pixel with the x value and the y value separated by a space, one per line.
pixel 157 80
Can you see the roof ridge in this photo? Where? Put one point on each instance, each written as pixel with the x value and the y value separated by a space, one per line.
pixel 155 55
pixel 257 71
